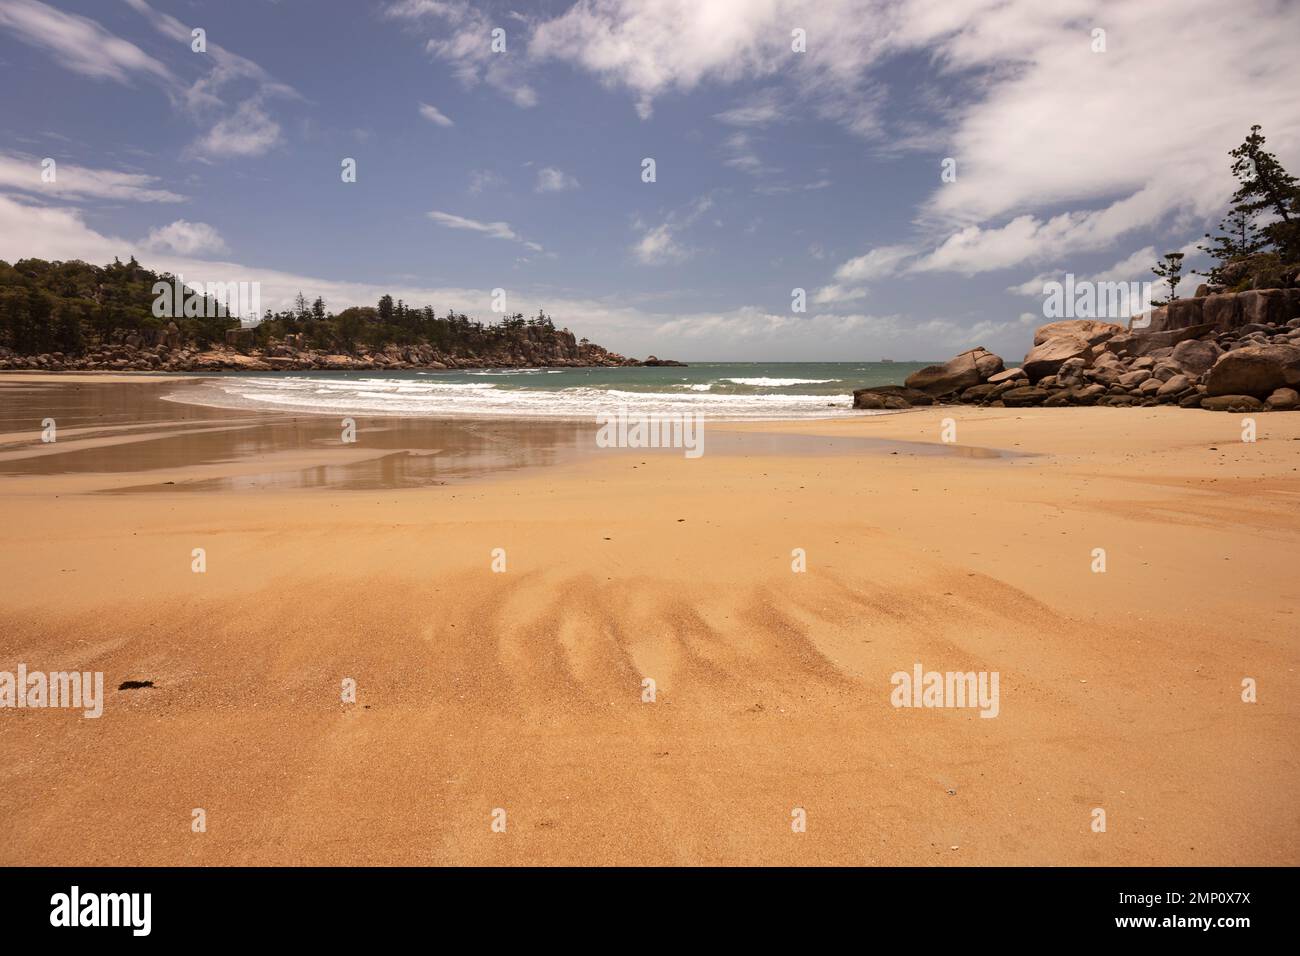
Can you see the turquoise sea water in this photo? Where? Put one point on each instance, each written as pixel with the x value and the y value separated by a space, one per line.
pixel 731 390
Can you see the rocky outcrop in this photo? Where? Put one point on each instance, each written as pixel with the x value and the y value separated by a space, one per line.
pixel 134 353
pixel 1048 356
pixel 1094 331
pixel 1256 370
pixel 957 374
pixel 1253 366
pixel 1225 311
pixel 890 397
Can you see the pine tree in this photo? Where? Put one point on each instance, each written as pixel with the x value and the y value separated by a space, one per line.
pixel 1237 239
pixel 1265 188
pixel 1169 269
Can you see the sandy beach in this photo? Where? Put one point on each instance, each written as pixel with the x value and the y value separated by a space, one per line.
pixel 522 690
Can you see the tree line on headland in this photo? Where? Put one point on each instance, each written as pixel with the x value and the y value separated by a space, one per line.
pixel 63 315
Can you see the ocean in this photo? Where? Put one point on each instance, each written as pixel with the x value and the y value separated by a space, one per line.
pixel 720 390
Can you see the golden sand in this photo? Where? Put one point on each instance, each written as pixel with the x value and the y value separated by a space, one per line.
pixel 522 690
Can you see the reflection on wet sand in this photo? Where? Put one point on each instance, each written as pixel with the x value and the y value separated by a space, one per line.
pixel 120 436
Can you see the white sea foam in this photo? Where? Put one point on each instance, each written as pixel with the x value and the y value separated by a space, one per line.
pixel 410 396
pixel 778 382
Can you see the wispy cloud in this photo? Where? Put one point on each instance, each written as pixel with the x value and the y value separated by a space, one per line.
pixel 79 43
pixel 497 230
pixel 463 39
pixel 245 128
pixel 481 179
pixel 552 180
pixel 659 244
pixel 434 115
pixel 22 172
pixel 762 109
pixel 248 131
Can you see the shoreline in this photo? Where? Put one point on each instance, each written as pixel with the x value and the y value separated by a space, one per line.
pixel 522 689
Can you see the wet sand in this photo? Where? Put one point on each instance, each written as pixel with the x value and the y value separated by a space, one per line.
pixel 522 690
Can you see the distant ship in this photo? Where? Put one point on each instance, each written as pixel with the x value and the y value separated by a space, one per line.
pixel 886 361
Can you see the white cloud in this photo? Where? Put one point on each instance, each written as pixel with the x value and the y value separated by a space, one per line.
pixel 743 155
pixel 242 130
pixel 185 238
pixel 878 263
pixel 497 230
pixel 762 109
pixel 1034 286
pixel 746 332
pixel 658 246
pixel 831 294
pixel 1034 118
pixel 84 46
pixel 1136 266
pixel 481 179
pixel 32 230
pixel 779 189
pixel 249 131
pixel 676 45
pixel 79 43
pixel 434 115
pixel 552 180
pixel 1141 128
pixel 463 38
pixel 24 173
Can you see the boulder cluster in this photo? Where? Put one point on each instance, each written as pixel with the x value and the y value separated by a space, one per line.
pixel 1230 352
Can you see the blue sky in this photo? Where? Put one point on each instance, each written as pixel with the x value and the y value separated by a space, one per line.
pixel 521 170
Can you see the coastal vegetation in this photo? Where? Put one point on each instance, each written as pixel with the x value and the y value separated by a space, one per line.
pixel 64 315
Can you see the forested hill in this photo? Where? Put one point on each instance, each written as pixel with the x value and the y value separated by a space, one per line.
pixel 73 315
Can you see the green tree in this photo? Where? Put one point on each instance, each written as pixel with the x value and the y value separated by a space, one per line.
pixel 1265 188
pixel 1170 270
pixel 1237 239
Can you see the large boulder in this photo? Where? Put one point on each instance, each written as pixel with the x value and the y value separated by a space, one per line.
pixel 1222 311
pixel 889 397
pixel 1264 307
pixel 1009 375
pixel 1284 399
pixel 1135 344
pixel 1092 330
pixel 956 375
pixel 1256 370
pixel 1175 386
pixel 1070 374
pixel 1184 313
pixel 1196 355
pixel 1153 320
pixel 988 364
pixel 1024 397
pixel 1047 357
pixel 1232 403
